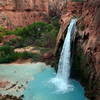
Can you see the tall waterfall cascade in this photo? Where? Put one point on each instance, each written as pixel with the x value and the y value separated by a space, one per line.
pixel 61 81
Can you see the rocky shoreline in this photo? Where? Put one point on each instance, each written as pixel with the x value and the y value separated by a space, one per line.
pixel 9 97
pixel 15 77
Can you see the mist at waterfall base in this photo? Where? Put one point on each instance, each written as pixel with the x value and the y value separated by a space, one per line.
pixel 48 85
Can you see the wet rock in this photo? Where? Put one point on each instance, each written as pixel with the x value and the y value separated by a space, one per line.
pixel 1 44
pixel 9 97
pixel 4 84
pixel 48 55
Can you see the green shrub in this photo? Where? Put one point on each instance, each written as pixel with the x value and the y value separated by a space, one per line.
pixel 17 43
pixel 26 55
pixel 6 50
pixel 8 58
pixel 5 31
pixel 1 38
pixel 55 23
pixel 36 57
pixel 2 29
pixel 8 55
pixel 39 33
pixel 35 30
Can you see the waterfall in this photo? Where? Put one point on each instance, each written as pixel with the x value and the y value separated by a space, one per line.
pixel 61 80
pixel 48 85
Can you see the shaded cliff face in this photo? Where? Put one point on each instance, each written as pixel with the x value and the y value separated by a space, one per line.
pixel 87 49
pixel 56 6
pixel 91 21
pixel 16 13
pixel 90 44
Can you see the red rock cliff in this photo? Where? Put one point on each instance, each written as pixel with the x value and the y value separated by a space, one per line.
pixel 90 37
pixel 88 13
pixel 16 13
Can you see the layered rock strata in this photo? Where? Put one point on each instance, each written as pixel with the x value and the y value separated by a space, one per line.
pixel 18 13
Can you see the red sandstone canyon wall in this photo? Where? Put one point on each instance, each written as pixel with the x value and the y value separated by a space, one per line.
pixel 18 13
pixel 88 14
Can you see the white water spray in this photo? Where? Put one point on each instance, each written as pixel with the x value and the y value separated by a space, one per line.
pixel 61 80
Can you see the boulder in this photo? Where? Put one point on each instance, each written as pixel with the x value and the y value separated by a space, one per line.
pixel 47 55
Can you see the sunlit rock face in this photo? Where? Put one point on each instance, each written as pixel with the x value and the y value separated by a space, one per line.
pixel 17 13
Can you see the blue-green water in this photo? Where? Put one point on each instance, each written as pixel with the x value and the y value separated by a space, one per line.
pixel 41 89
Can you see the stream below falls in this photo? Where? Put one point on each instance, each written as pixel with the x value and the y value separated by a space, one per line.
pixel 35 79
pixel 42 89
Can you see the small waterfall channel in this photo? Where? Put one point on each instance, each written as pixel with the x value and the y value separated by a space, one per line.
pixel 62 78
pixel 49 85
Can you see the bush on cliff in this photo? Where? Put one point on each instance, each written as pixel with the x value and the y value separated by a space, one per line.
pixel 8 55
pixel 35 30
pixel 37 33
pixel 4 50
